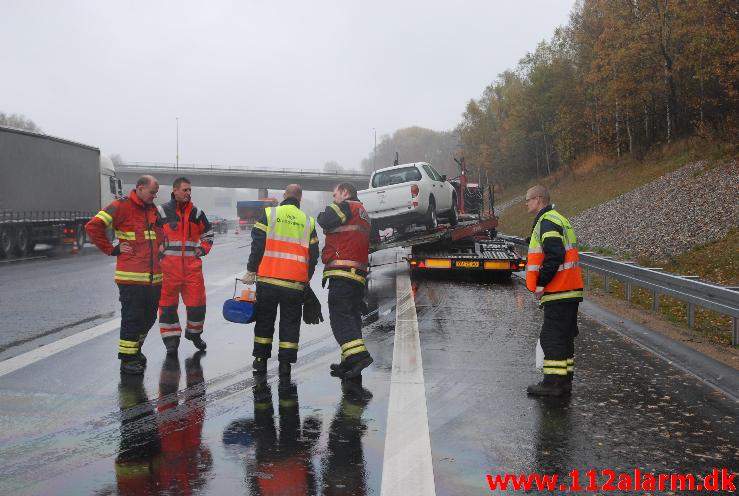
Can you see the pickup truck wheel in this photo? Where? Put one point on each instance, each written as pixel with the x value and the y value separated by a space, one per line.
pixel 453 213
pixel 22 241
pixel 6 242
pixel 431 220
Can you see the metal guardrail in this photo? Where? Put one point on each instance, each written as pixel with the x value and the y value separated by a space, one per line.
pixel 235 169
pixel 722 299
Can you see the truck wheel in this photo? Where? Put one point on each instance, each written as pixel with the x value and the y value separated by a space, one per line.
pixel 22 241
pixel 431 220
pixel 6 242
pixel 453 213
pixel 79 234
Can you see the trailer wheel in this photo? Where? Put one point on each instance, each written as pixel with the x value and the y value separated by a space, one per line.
pixel 22 241
pixel 6 241
pixel 453 213
pixel 431 219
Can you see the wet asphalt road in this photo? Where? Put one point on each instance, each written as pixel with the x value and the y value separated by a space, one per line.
pixel 203 424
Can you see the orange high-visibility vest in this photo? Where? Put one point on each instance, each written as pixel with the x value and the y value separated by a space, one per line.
pixel 286 251
pixel 567 283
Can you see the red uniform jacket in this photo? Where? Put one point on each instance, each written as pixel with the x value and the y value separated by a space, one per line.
pixel 134 223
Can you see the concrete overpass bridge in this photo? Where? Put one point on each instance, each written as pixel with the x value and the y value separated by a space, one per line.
pixel 220 176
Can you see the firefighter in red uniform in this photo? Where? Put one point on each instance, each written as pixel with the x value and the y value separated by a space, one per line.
pixel 346 256
pixel 137 272
pixel 187 237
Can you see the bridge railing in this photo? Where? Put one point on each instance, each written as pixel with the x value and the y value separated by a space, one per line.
pixel 148 166
pixel 722 299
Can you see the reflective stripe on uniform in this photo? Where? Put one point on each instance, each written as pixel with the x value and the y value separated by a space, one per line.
pixel 137 276
pixel 286 256
pixel 261 226
pixel 578 293
pixel 351 344
pixel 150 235
pixel 570 365
pixel 338 211
pixel 288 345
pixel 125 235
pixel 282 282
pixel 105 217
pixel 349 274
pixel 353 351
pixel 259 340
pixel 128 347
pixel 554 371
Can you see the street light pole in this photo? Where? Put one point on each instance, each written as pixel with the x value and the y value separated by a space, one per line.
pixel 374 155
pixel 178 143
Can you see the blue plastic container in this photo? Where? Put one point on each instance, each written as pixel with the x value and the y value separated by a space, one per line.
pixel 240 312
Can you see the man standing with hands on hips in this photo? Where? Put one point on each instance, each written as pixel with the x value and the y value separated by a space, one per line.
pixel 137 271
pixel 553 274
pixel 346 258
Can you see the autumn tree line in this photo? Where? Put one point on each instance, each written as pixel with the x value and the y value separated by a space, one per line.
pixel 620 78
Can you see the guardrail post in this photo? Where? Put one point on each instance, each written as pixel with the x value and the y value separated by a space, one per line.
pixel 655 301
pixel 735 334
pixel 691 315
pixel 605 282
pixel 628 292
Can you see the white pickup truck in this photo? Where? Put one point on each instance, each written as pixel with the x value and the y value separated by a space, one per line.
pixel 408 194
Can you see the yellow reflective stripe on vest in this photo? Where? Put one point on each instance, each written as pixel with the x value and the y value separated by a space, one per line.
pixel 578 293
pixel 282 282
pixel 105 217
pixel 125 235
pixel 137 276
pixel 344 273
pixel 338 211
pixel 551 234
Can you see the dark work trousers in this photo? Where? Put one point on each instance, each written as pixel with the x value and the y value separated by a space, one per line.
pixel 139 305
pixel 345 314
pixel 290 301
pixel 558 337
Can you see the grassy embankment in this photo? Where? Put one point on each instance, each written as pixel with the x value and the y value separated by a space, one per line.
pixel 596 181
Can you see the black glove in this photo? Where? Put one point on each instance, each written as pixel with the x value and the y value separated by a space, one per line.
pixel 311 307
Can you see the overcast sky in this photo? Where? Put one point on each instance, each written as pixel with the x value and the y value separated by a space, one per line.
pixel 257 83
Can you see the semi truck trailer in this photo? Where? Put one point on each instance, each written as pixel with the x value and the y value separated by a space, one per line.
pixel 49 188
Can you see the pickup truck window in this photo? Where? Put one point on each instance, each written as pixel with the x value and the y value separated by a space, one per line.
pixel 432 173
pixel 396 176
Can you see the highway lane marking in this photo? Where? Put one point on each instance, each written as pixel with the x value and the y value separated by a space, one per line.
pixel 407 468
pixel 42 352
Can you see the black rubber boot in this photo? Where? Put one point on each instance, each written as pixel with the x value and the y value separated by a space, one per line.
pixel 197 340
pixel 259 366
pixel 338 369
pixel 284 369
pixel 172 343
pixel 354 369
pixel 132 367
pixel 552 385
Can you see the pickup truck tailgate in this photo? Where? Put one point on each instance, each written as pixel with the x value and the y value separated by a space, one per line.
pixel 386 200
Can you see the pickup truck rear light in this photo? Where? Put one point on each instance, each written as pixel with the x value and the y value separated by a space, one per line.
pixel 414 190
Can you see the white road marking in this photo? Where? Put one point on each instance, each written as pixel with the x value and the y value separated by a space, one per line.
pixel 33 356
pixel 407 468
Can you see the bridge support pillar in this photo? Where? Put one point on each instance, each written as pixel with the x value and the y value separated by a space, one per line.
pixel 263 193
